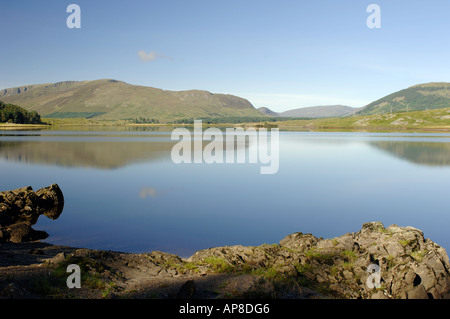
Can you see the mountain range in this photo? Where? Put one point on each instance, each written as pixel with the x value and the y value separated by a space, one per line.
pixel 314 111
pixel 427 96
pixel 116 100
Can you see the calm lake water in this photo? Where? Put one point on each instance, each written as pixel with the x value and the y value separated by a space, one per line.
pixel 123 192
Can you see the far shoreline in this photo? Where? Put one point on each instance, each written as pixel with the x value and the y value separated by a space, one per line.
pixel 436 120
pixel 20 126
pixel 279 125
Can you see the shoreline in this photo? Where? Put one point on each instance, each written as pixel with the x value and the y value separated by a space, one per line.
pixel 20 126
pixel 289 128
pixel 279 125
pixel 300 266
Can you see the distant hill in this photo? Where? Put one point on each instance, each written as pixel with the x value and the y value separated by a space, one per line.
pixel 428 96
pixel 415 98
pixel 312 111
pixel 267 111
pixel 116 100
pixel 320 111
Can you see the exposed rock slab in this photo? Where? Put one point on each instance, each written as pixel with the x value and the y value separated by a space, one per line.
pixel 409 265
pixel 300 266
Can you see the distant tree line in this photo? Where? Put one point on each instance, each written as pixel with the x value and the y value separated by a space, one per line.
pixel 73 115
pixel 10 113
pixel 144 120
pixel 237 120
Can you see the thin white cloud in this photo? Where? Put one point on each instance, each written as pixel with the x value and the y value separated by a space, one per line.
pixel 151 56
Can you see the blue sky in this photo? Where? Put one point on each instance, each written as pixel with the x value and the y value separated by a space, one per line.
pixel 278 54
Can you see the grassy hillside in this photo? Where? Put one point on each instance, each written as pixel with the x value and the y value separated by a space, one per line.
pixel 116 100
pixel 267 111
pixel 416 98
pixel 417 120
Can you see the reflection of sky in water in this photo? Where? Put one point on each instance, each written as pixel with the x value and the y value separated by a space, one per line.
pixel 328 184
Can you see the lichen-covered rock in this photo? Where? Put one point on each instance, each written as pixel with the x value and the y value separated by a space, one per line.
pixel 375 262
pixel 299 241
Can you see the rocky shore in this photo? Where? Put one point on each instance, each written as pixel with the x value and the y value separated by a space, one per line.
pixel 21 208
pixel 377 262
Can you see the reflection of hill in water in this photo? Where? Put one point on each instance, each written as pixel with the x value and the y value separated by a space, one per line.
pixel 94 154
pixel 106 155
pixel 423 153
